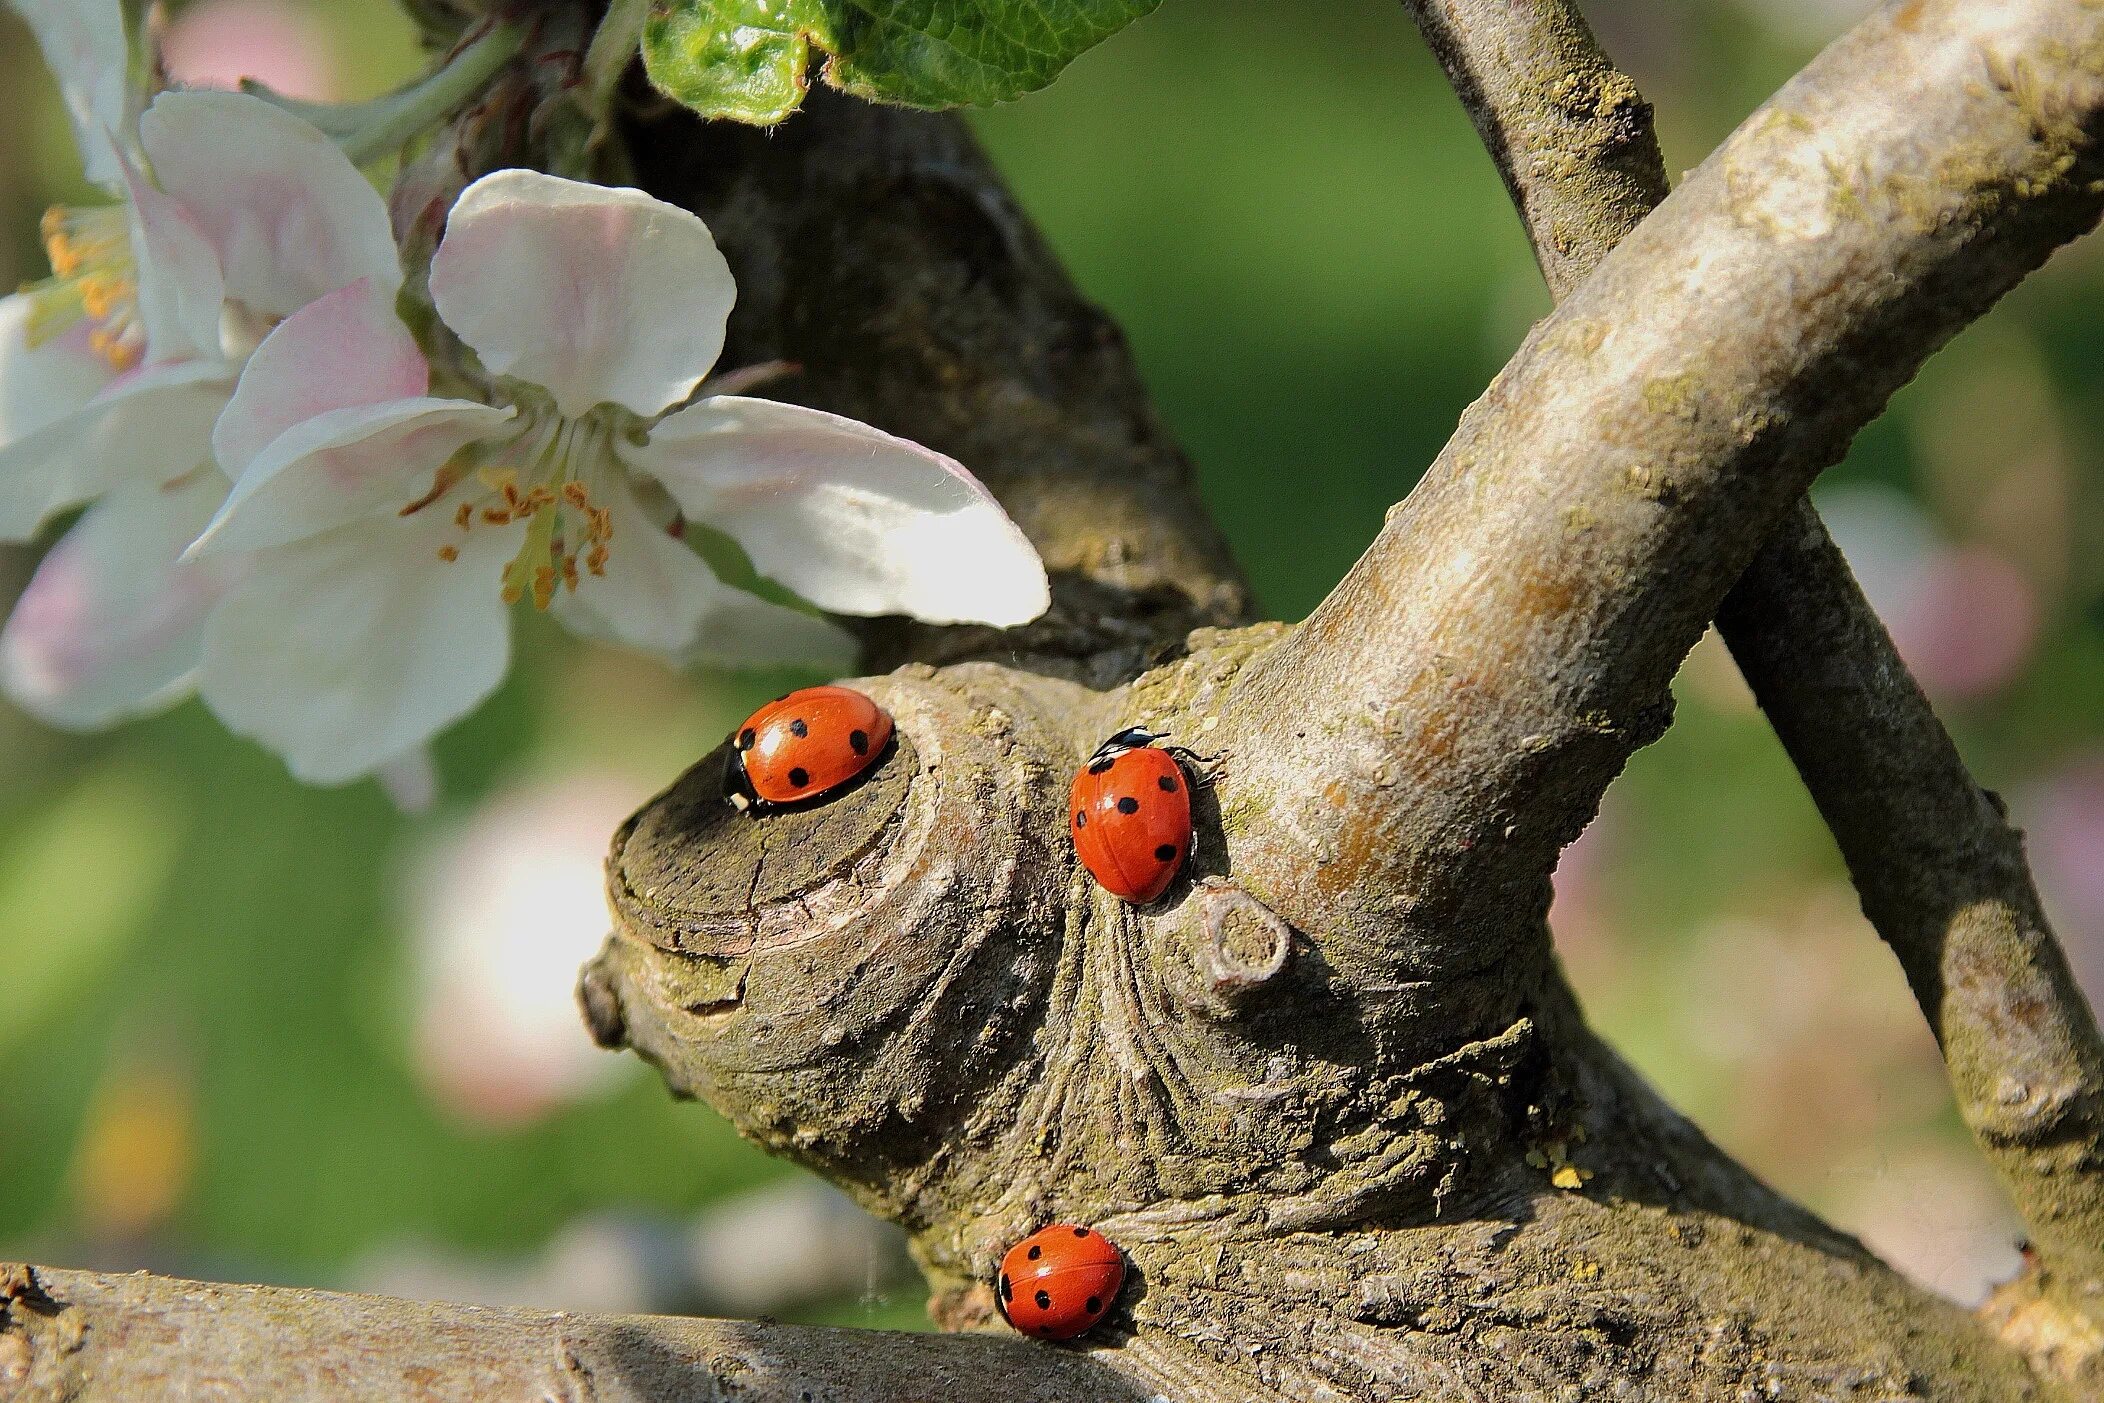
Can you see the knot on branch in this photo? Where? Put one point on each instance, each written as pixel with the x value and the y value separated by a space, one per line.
pixel 916 988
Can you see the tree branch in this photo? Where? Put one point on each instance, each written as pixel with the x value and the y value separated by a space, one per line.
pixel 1507 641
pixel 1943 878
pixel 86 1337
pixel 1570 134
pixel 1941 874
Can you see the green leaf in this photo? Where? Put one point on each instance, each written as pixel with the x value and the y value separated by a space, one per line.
pixel 747 59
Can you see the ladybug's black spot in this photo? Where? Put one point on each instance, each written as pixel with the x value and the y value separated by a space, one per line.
pixel 1036 1252
pixel 1095 1304
pixel 859 740
pixel 799 776
pixel 1128 805
pixel 746 738
pixel 1168 783
pixel 1007 1288
pixel 1081 1232
pixel 1097 767
pixel 798 729
pixel 1081 819
pixel 1165 852
pixel 1044 1300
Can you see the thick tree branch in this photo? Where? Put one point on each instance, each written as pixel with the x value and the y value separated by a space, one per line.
pixel 1942 876
pixel 1507 641
pixel 85 1337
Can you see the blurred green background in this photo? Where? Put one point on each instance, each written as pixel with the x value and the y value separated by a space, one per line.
pixel 259 1031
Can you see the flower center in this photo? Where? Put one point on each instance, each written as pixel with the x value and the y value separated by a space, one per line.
pixel 93 279
pixel 543 476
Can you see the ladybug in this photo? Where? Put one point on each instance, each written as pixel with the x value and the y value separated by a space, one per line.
pixel 1131 816
pixel 1059 1281
pixel 802 746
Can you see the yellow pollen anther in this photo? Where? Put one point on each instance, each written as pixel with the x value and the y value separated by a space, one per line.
pixel 464 517
pixel 449 554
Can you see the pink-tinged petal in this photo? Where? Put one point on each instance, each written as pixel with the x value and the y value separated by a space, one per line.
pixel 84 46
pixel 338 352
pixel 218 43
pixel 659 596
pixel 374 460
pixel 42 384
pixel 290 216
pixel 181 290
pixel 346 652
pixel 150 426
pixel 601 295
pixel 851 518
pixel 111 626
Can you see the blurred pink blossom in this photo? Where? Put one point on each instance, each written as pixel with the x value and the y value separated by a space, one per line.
pixel 217 43
pixel 1964 617
pixel 2063 821
pixel 503 909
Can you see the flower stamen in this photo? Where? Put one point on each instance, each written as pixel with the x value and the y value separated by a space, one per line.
pixel 93 279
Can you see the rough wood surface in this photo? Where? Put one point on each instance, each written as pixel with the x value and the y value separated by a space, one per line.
pixel 80 1337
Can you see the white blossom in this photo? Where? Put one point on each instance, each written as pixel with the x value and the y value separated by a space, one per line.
pixel 113 371
pixel 389 529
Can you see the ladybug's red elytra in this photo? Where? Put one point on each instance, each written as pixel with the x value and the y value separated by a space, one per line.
pixel 1130 816
pixel 804 745
pixel 1059 1281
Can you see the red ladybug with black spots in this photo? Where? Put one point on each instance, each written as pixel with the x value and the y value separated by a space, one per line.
pixel 804 746
pixel 1059 1281
pixel 1130 816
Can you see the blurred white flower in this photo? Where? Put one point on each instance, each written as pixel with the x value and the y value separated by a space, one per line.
pixel 503 909
pixel 391 529
pixel 780 1247
pixel 220 42
pixel 113 371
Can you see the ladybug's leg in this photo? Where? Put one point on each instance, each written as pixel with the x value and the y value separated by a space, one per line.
pixel 1203 769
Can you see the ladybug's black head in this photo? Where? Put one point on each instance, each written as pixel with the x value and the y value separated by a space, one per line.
pixel 737 785
pixel 1131 738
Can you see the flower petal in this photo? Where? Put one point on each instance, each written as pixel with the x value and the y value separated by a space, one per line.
pixel 181 289
pixel 851 518
pixel 151 426
pixel 346 652
pixel 84 46
pixel 290 216
pixel 600 295
pixel 659 596
pixel 339 351
pixel 373 460
pixel 111 625
pixel 42 384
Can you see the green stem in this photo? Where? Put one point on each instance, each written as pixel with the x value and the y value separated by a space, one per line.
pixel 368 130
